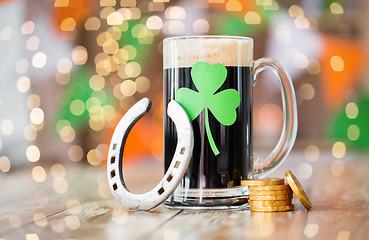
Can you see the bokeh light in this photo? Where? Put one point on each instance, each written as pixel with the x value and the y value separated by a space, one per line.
pixel 61 3
pixel 28 27
pixel 6 33
pixel 60 185
pixel 337 63
pixel 68 24
pixel 300 61
pixel 154 23
pixel 36 116
pixel 175 12
pixel 170 234
pixel 38 174
pixel 295 11
pixel 233 6
pixel 93 157
pixel 72 222
pixel 79 55
pixel 343 235
pixel 302 22
pixel 128 88
pixel 307 91
pixel 336 8
pixel 339 150
pixel 39 60
pixel 32 43
pixel 21 66
pixel 313 67
pixel 252 17
pixel 57 225
pixel 75 153
pixel 267 228
pixel 174 27
pixel 77 107
pixel 311 230
pixel 352 110
pixel 23 84
pixel 67 134
pixel 201 26
pixel 74 207
pixel 40 219
pixel 57 170
pixel 142 84
pixel 30 132
pixel 64 65
pixel 33 153
pixel 92 24
pixel 312 153
pixel 4 164
pixel 353 132
pixel 115 18
pixel 7 127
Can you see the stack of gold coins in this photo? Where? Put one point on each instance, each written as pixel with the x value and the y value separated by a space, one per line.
pixel 269 195
pixel 272 195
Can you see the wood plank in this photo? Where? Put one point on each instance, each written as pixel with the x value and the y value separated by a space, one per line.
pixel 241 224
pixel 91 215
pixel 106 219
pixel 340 209
pixel 339 198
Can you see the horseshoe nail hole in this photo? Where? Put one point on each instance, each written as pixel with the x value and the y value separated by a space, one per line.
pixel 183 150
pixel 112 160
pixel 177 164
pixel 114 146
pixel 112 173
pixel 169 178
pixel 115 186
pixel 161 190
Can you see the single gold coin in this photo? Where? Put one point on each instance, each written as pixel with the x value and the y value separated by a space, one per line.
pixel 271 187
pixel 272 208
pixel 270 197
pixel 270 203
pixel 270 192
pixel 298 189
pixel 262 182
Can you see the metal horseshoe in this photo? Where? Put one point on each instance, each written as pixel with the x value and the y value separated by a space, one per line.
pixel 176 170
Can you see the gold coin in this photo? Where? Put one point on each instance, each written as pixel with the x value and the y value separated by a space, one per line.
pixel 270 203
pixel 272 208
pixel 298 189
pixel 262 182
pixel 270 197
pixel 270 192
pixel 271 188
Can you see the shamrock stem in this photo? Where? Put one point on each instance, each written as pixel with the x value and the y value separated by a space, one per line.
pixel 208 133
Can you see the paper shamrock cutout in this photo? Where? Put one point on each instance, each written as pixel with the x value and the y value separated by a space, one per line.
pixel 208 79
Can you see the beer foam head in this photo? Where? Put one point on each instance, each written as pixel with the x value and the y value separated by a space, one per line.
pixel 186 51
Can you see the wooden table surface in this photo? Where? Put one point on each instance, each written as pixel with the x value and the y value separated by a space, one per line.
pixel 74 202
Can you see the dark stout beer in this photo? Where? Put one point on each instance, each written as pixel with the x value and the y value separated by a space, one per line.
pixel 234 142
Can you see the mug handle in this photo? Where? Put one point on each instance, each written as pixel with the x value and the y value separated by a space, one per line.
pixel 265 165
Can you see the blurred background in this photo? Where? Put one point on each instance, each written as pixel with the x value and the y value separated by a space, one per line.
pixel 70 69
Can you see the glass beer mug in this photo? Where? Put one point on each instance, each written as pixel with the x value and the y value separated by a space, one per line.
pixel 212 78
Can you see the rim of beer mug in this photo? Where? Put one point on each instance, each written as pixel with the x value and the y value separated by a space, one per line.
pixel 208 37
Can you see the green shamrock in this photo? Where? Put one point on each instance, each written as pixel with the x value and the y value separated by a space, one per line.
pixel 208 79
